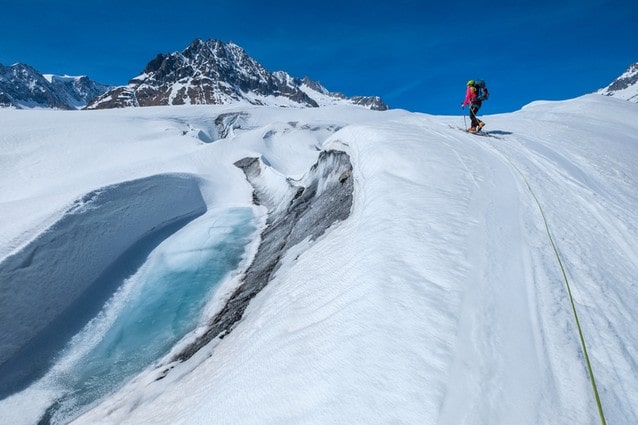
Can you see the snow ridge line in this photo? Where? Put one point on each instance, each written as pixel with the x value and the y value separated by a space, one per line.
pixel 321 198
pixel 568 286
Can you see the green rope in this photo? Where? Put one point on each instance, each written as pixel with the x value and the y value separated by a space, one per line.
pixel 569 290
pixel 571 300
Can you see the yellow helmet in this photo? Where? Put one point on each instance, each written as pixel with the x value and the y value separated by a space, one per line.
pixel 470 83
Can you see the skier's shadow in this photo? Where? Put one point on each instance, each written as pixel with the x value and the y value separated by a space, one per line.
pixel 500 132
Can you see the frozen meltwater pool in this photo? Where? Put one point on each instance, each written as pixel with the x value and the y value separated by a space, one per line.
pixel 153 309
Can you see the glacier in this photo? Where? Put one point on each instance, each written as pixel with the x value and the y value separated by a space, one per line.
pixel 57 282
pixel 436 299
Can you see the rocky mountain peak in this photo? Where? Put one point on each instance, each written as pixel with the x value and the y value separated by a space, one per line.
pixel 215 72
pixel 22 86
pixel 625 86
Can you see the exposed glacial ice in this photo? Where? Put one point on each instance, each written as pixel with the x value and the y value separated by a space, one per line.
pixel 60 280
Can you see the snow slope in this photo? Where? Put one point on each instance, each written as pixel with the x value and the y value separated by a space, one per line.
pixel 438 301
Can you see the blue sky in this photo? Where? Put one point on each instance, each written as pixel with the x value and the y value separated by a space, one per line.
pixel 416 55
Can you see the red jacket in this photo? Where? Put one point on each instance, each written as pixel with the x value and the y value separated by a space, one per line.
pixel 470 96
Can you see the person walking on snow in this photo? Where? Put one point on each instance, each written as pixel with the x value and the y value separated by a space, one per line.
pixel 471 98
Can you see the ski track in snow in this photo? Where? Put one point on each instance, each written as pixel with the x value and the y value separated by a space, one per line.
pixel 438 301
pixel 589 224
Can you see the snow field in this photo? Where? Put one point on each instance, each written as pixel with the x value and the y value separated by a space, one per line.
pixel 585 184
pixel 438 301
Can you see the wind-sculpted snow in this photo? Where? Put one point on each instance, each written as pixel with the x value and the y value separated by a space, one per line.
pixel 56 283
pixel 308 208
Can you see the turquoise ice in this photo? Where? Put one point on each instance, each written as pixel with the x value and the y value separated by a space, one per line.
pixel 153 310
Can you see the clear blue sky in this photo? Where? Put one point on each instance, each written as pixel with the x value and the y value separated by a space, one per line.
pixel 416 55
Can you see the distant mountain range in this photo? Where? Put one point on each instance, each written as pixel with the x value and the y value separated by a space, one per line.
pixel 22 86
pixel 206 72
pixel 214 72
pixel 625 86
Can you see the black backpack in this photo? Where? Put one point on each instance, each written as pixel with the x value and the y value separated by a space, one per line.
pixel 481 90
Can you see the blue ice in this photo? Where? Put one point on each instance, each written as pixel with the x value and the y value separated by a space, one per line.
pixel 152 311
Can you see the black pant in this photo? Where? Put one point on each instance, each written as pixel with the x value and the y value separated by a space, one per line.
pixel 474 107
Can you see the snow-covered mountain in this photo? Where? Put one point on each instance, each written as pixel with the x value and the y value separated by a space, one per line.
pixel 624 87
pixel 22 86
pixel 248 264
pixel 214 72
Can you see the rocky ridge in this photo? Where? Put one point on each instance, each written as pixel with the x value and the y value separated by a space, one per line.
pixel 24 87
pixel 214 72
pixel 625 86
pixel 310 206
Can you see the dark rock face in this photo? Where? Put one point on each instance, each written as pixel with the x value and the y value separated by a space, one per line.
pixel 78 91
pixel 370 102
pixel 213 72
pixel 629 78
pixel 625 86
pixel 321 198
pixel 22 86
